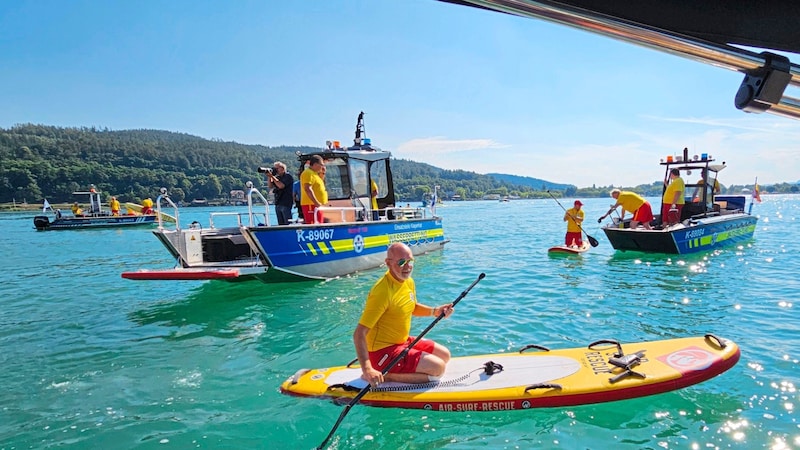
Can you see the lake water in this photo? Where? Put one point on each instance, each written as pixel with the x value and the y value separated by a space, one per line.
pixel 93 361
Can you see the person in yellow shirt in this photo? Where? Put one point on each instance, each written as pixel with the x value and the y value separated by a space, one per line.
pixel 574 218
pixel 633 202
pixel 312 190
pixel 76 210
pixel 147 206
pixel 374 195
pixel 701 183
pixel 114 205
pixel 673 197
pixel 383 330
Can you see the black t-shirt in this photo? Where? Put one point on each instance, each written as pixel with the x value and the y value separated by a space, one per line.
pixel 283 196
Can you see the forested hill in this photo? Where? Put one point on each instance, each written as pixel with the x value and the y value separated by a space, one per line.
pixel 38 161
pixel 535 183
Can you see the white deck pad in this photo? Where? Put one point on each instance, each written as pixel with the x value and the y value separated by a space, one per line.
pixel 518 370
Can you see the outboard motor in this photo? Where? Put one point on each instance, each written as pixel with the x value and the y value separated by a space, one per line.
pixel 41 222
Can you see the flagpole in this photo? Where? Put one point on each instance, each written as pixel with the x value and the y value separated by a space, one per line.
pixel 755 197
pixel 434 199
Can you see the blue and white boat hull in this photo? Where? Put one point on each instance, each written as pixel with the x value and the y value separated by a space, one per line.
pixel 332 250
pixel 683 238
pixel 42 223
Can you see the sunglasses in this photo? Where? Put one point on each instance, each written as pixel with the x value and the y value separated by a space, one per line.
pixel 402 262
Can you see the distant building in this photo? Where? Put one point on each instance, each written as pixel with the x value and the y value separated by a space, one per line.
pixel 237 197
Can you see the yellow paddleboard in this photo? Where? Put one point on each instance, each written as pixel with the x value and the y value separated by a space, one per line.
pixel 138 210
pixel 601 372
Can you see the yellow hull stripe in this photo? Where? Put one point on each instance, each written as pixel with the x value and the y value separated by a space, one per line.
pixel 346 245
pixel 721 236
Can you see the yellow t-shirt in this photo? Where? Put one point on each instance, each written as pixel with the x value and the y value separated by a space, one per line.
pixel 630 201
pixel 675 186
pixel 317 187
pixel 374 196
pixel 716 184
pixel 114 205
pixel 387 314
pixel 572 226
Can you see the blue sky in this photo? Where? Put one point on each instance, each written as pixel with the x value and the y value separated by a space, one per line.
pixel 452 86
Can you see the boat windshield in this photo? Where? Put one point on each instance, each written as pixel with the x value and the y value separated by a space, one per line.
pixel 337 181
pixel 379 173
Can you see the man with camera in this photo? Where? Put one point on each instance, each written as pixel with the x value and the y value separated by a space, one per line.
pixel 280 181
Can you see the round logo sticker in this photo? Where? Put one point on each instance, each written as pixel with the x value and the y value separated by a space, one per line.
pixel 690 359
pixel 358 243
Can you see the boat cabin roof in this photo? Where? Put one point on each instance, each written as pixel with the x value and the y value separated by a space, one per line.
pixel 694 165
pixel 360 152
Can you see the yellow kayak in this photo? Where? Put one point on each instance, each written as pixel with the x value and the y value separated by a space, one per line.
pixel 137 209
pixel 536 377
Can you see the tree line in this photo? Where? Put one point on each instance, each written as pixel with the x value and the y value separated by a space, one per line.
pixel 40 161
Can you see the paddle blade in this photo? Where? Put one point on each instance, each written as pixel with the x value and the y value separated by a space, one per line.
pixel 592 241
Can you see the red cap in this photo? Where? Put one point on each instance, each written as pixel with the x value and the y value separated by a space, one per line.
pixel 578 203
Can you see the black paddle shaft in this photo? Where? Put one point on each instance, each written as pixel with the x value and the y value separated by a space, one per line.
pixel 592 240
pixel 394 361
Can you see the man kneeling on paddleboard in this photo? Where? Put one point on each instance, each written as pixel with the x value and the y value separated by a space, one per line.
pixel 383 330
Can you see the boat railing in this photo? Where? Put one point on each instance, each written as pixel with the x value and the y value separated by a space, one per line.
pixel 252 218
pixel 347 214
pixel 164 195
pixel 251 192
pixel 403 213
pixel 341 213
pixel 242 218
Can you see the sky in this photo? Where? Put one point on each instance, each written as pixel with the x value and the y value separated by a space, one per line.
pixel 448 85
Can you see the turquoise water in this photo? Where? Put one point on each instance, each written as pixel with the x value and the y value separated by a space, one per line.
pixel 91 360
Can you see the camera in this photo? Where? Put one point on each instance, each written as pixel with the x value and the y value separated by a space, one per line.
pixel 268 170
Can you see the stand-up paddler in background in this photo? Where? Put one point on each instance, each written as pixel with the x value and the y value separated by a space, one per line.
pixel 574 218
pixel 383 330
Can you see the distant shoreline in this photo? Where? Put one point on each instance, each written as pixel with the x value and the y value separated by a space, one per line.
pixel 11 207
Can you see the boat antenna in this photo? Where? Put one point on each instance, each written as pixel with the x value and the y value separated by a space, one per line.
pixel 360 131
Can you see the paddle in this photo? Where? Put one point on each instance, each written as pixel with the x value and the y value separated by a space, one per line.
pixel 613 209
pixel 592 240
pixel 396 359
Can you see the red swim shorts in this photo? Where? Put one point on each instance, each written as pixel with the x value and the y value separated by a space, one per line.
pixel 644 214
pixel 407 364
